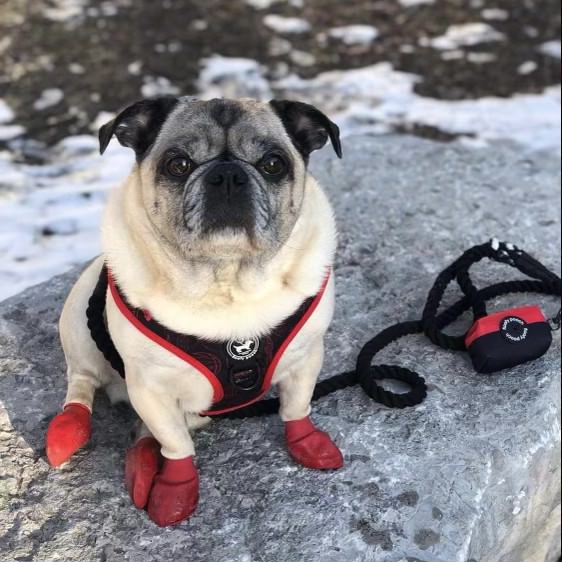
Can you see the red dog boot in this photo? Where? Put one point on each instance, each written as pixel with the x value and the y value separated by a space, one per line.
pixel 68 431
pixel 311 447
pixel 175 493
pixel 142 463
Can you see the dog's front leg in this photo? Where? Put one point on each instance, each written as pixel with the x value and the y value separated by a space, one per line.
pixel 160 472
pixel 307 445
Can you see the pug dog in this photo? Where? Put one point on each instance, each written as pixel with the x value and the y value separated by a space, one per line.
pixel 217 279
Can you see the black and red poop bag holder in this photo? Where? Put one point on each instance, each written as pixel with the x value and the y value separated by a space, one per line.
pixel 498 340
pixel 508 338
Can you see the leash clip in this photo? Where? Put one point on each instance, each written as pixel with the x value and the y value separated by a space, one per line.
pixel 555 321
pixel 505 252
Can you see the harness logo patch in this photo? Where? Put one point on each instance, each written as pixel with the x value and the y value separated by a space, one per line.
pixel 242 349
pixel 514 329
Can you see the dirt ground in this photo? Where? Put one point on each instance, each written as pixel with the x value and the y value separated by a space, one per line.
pixel 88 56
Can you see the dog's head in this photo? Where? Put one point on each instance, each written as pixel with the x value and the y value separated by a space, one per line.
pixel 222 178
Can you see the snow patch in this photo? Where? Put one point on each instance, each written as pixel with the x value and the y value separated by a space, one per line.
pixel 48 98
pixel 232 78
pixel 63 10
pixel 5 44
pixel 380 99
pixel 529 119
pixel 134 68
pixel 265 4
pixel 107 9
pixel 279 46
pixel 410 3
pixel 527 67
pixel 372 85
pixel 158 86
pixel 354 34
pixel 75 68
pixel 302 58
pixel 262 4
pixel 466 35
pixel 495 14
pixel 8 131
pixel 11 179
pixel 480 58
pixel 531 31
pixel 452 55
pixel 200 25
pixel 6 114
pixel 50 214
pixel 281 24
pixel 77 145
pixel 552 49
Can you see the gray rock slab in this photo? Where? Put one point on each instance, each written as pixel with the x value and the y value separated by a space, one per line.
pixel 471 474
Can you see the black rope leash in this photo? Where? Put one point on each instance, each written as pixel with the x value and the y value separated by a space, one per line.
pixel 96 324
pixel 431 324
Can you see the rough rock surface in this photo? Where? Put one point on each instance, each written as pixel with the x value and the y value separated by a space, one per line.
pixel 473 473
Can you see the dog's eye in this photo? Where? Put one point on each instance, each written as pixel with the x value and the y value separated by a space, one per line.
pixel 179 166
pixel 273 165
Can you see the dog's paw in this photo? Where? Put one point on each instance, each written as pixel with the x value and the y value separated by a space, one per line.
pixel 175 493
pixel 167 488
pixel 311 447
pixel 142 463
pixel 68 431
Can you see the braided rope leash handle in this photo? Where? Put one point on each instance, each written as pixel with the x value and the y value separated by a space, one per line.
pixel 368 375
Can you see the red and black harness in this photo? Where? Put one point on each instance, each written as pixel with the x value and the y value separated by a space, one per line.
pixel 497 341
pixel 239 371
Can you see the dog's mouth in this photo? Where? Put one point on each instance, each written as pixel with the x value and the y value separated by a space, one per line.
pixel 220 214
pixel 229 243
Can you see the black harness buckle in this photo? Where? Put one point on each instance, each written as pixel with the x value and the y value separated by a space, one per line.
pixel 246 379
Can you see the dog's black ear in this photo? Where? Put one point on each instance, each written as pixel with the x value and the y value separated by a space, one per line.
pixel 307 126
pixel 138 125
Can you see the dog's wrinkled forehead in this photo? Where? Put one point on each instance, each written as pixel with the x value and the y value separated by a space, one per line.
pixel 206 129
pixel 244 129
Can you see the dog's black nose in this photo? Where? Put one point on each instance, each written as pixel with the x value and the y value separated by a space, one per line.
pixel 228 179
pixel 228 197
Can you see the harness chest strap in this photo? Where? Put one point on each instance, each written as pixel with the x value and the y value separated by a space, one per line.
pixel 240 372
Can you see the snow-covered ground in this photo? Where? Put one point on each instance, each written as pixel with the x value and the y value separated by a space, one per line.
pixel 50 213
